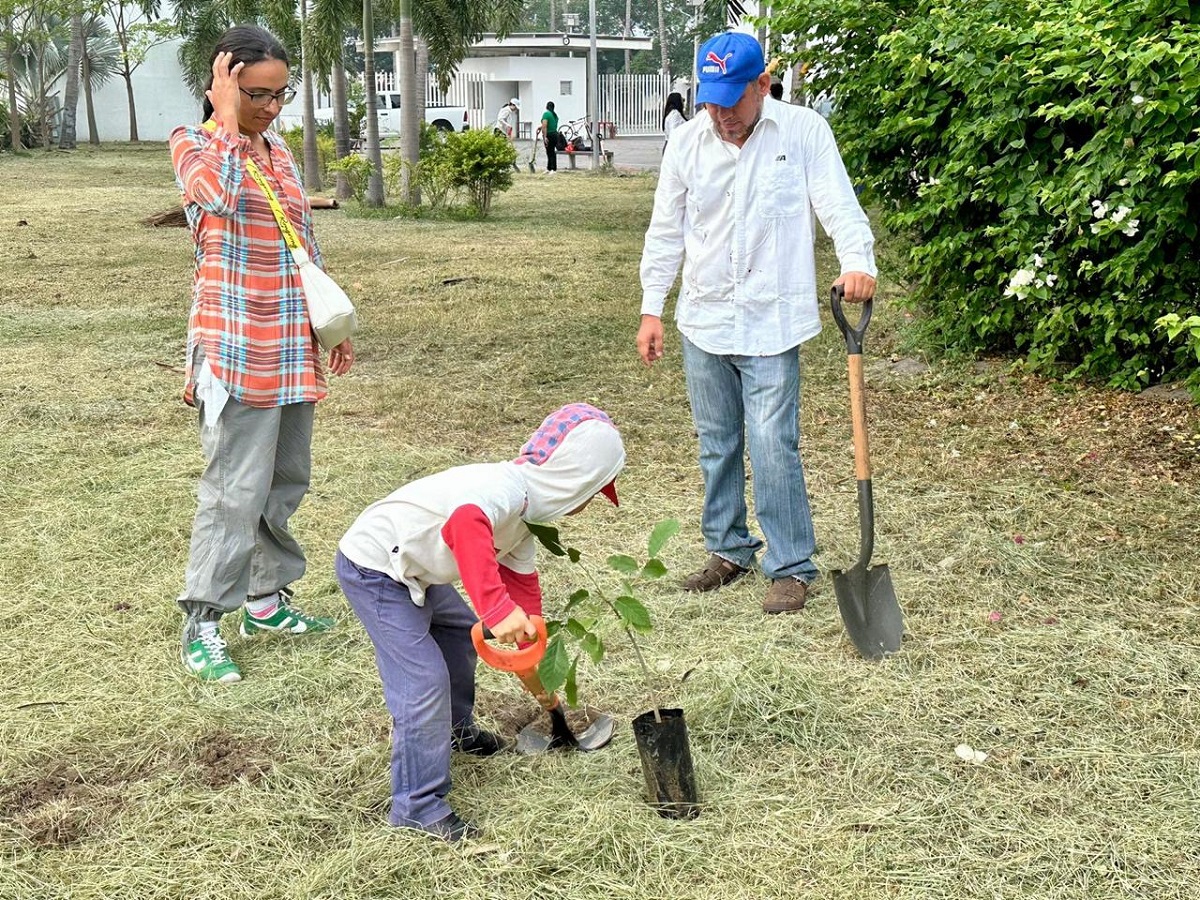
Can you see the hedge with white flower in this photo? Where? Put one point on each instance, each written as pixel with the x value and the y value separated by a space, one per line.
pixel 1045 160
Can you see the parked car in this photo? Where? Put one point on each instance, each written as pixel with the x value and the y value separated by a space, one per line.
pixel 444 118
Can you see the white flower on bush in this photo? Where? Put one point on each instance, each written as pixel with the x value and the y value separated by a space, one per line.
pixel 1099 210
pixel 1119 216
pixel 1131 228
pixel 1050 279
pixel 1019 281
pixel 1138 100
pixel 1038 261
pixel 1095 228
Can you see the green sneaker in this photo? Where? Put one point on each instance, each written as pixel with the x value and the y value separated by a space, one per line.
pixel 286 618
pixel 206 658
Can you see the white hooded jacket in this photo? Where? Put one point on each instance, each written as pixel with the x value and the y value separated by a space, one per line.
pixel 575 453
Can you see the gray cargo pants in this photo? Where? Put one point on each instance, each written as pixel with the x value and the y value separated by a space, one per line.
pixel 258 467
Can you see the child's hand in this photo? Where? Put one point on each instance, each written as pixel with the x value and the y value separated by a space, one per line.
pixel 514 627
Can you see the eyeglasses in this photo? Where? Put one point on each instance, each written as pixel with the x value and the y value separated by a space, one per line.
pixel 262 99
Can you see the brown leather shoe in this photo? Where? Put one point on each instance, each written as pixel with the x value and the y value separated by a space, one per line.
pixel 717 572
pixel 785 595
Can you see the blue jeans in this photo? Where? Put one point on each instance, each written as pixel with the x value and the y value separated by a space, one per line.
pixel 756 397
pixel 427 663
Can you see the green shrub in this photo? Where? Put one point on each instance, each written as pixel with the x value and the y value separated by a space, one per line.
pixel 326 148
pixel 1042 158
pixel 433 171
pixel 481 163
pixel 357 170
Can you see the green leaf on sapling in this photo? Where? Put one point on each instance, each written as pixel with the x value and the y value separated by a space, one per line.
pixel 633 613
pixel 575 599
pixel 626 565
pixel 548 536
pixel 593 647
pixel 662 533
pixel 577 629
pixel 572 686
pixel 654 568
pixel 552 671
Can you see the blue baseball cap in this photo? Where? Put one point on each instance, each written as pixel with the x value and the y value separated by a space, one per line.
pixel 726 64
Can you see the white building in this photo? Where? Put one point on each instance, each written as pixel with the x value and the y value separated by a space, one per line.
pixel 532 67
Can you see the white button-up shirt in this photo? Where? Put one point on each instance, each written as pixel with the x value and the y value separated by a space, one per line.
pixel 742 222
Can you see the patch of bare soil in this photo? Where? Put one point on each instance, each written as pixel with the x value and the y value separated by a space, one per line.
pixel 223 758
pixel 64 806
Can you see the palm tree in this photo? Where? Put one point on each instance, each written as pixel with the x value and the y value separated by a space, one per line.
pixel 66 134
pixel 449 28
pixel 662 41
pixel 101 61
pixel 329 21
pixel 374 196
pixel 10 40
pixel 312 162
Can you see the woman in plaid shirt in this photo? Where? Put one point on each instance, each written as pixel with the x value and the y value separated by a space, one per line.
pixel 253 365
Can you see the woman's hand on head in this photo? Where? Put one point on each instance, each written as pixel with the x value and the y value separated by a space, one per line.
pixel 341 358
pixel 225 95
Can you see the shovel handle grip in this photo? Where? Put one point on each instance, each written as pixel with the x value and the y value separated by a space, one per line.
pixel 853 334
pixel 524 659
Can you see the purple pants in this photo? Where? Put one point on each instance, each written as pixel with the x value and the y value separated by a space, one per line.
pixel 427 663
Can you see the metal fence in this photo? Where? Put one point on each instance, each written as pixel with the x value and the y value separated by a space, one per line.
pixel 632 104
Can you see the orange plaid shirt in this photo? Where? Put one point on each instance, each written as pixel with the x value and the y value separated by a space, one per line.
pixel 248 311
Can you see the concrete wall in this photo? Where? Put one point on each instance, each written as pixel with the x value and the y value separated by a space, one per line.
pixel 161 97
pixel 533 80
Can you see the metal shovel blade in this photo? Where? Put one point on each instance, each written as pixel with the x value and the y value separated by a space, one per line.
pixel 534 738
pixel 869 609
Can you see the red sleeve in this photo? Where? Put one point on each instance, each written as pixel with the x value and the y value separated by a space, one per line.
pixel 524 589
pixel 468 534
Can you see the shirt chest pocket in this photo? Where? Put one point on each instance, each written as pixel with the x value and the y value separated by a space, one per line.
pixel 784 194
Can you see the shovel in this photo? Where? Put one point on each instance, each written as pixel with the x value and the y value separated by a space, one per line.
pixel 523 663
pixel 865 595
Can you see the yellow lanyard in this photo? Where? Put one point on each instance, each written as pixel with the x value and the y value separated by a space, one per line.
pixel 289 233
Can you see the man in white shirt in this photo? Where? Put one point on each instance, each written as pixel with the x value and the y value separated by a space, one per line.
pixel 737 190
pixel 506 124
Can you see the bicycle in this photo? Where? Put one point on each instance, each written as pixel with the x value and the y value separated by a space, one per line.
pixel 577 134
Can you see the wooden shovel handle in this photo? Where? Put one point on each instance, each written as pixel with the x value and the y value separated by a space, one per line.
pixel 858 412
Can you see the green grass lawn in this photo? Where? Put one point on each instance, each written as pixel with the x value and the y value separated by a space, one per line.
pixel 1044 541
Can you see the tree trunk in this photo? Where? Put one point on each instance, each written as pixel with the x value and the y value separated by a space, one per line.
pixel 93 131
pixel 410 133
pixel 798 92
pixel 66 136
pixel 43 98
pixel 341 124
pixel 422 76
pixel 10 74
pixel 628 30
pixel 374 156
pixel 312 159
pixel 133 132
pixel 553 17
pixel 662 41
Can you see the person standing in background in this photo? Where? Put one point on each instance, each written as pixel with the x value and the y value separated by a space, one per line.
pixel 507 121
pixel 673 116
pixel 548 129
